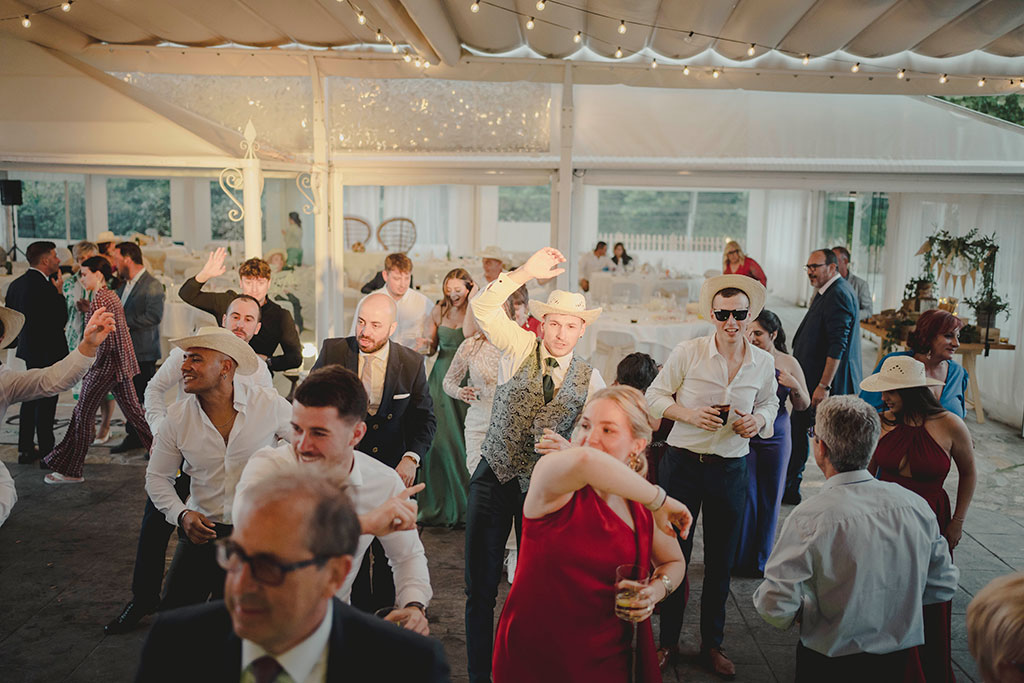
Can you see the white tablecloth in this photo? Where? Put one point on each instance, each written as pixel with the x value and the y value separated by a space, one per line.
pixel 603 284
pixel 656 334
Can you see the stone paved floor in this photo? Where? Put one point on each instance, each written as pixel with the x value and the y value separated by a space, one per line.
pixel 66 557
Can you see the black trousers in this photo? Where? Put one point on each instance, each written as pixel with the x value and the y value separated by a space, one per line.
pixel 493 509
pixel 147 368
pixel 151 551
pixel 374 585
pixel 719 485
pixel 194 576
pixel 800 421
pixel 813 667
pixel 35 418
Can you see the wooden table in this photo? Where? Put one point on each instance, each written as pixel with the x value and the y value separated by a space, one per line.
pixel 970 356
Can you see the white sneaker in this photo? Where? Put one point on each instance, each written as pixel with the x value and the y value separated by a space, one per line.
pixel 510 564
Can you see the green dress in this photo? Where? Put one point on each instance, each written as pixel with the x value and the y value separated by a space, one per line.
pixel 443 501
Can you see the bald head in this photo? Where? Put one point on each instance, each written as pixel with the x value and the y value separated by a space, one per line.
pixel 376 320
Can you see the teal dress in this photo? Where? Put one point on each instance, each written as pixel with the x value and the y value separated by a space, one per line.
pixel 443 468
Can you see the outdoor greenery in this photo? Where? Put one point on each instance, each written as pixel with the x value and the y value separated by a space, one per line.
pixel 1006 107
pixel 44 211
pixel 222 227
pixel 840 219
pixel 663 212
pixel 527 204
pixel 138 205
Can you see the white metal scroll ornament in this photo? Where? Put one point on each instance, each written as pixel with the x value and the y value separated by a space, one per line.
pixel 231 179
pixel 309 186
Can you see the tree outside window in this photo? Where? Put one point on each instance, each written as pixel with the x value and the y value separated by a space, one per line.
pixel 222 227
pixel 139 205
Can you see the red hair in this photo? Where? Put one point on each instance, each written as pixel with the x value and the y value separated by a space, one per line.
pixel 930 325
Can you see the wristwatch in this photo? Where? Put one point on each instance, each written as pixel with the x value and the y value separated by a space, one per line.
pixel 418 605
pixel 826 387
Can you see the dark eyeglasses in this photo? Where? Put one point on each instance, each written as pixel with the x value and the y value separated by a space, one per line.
pixel 264 569
pixel 734 251
pixel 723 315
pixel 813 266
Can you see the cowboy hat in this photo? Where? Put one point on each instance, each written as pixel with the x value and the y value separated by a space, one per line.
pixel 564 303
pixel 13 322
pixel 899 372
pixel 219 339
pixel 271 252
pixel 492 252
pixel 754 290
pixel 106 236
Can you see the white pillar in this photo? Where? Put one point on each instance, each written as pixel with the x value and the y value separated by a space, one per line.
pixel 95 206
pixel 251 191
pixel 561 225
pixel 203 225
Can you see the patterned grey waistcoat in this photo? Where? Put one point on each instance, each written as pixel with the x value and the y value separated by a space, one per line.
pixel 519 416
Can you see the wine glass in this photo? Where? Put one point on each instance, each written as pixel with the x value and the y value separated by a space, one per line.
pixel 630 579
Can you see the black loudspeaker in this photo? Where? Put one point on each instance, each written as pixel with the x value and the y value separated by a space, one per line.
pixel 10 192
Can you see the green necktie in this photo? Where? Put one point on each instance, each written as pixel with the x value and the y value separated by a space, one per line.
pixel 549 382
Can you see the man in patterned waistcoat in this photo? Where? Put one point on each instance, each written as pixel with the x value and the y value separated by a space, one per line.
pixel 541 385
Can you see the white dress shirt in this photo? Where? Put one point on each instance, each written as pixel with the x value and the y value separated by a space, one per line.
pixel 824 287
pixel 189 441
pixel 698 374
pixel 8 494
pixel 515 343
pixel 591 263
pixel 370 483
pixel 306 662
pixel 857 562
pixel 169 377
pixel 130 285
pixel 379 369
pixel 413 311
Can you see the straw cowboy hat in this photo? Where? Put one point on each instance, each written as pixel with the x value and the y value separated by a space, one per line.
pixel 754 290
pixel 106 236
pixel 492 252
pixel 899 372
pixel 564 303
pixel 219 339
pixel 13 322
pixel 282 252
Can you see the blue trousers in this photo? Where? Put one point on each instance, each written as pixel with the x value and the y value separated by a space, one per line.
pixel 766 478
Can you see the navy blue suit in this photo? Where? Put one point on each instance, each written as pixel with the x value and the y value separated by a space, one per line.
pixel 830 329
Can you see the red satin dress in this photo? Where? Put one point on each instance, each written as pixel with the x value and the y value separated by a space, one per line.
pixel 928 464
pixel 559 622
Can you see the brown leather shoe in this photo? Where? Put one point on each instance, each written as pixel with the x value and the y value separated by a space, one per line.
pixel 721 665
pixel 667 656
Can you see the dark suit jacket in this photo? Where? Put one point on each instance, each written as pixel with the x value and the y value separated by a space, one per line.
pixel 830 329
pixel 405 420
pixel 198 644
pixel 41 342
pixel 377 282
pixel 143 312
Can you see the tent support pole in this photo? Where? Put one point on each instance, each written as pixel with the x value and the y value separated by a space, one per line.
pixel 561 227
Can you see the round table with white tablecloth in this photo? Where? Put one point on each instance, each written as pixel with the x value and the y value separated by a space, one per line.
pixel 653 333
pixel 608 286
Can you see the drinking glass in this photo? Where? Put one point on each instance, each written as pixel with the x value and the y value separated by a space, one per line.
pixel 630 579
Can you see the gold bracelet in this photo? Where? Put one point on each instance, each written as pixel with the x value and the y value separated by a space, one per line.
pixel 669 586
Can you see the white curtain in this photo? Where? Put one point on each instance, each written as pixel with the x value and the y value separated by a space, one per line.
pixel 912 218
pixel 429 208
pixel 780 236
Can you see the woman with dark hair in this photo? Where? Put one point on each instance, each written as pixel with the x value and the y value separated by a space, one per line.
pixel 112 371
pixel 919 440
pixel 520 300
pixel 292 234
pixel 621 259
pixel 769 458
pixel 934 341
pixel 443 467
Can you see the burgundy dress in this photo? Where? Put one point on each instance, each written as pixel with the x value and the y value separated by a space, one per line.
pixel 928 464
pixel 559 622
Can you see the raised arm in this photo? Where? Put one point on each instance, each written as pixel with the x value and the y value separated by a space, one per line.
pixel 191 291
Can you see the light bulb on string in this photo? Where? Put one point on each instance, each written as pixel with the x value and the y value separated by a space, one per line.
pixel 944 78
pixel 578 37
pixel 66 6
pixel 855 68
pixel 622 26
pixel 475 7
pixel 981 82
pixel 902 74
pixel 715 73
pixel 418 63
pixel 26 22
pixel 806 60
pixel 530 24
pixel 654 63
pixel 380 36
pixel 361 18
pixel 407 57
pixel 618 53
pixel 541 5
pixel 426 64
pixel 751 50
pixel 686 70
pixel 1021 83
pixel 394 48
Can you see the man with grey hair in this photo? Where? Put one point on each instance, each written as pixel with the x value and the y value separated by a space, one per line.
pixel 855 564
pixel 288 554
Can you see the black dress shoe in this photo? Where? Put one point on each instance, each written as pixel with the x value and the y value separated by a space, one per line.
pixel 28 457
pixel 43 465
pixel 128 619
pixel 126 445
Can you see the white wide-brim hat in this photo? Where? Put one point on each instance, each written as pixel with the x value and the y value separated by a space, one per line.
pixel 899 372
pixel 13 322
pixel 219 339
pixel 754 290
pixel 492 252
pixel 564 303
pixel 106 236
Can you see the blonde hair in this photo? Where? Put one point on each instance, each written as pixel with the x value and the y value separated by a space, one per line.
pixel 995 624
pixel 634 405
pixel 455 274
pixel 725 254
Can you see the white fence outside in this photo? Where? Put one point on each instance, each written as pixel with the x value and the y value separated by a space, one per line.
pixel 662 243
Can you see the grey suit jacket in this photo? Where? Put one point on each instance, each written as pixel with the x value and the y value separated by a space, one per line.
pixel 143 311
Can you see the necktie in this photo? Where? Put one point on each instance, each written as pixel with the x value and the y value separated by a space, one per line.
pixel 368 381
pixel 265 669
pixel 549 382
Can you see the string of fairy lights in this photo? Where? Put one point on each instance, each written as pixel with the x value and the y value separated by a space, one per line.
pixel 577 35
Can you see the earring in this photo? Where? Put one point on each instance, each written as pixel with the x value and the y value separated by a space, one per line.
pixel 634 462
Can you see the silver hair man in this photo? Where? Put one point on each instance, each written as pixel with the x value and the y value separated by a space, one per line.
pixel 849 428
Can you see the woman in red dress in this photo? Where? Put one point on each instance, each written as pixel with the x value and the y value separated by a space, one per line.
pixel 919 441
pixel 588 512
pixel 735 262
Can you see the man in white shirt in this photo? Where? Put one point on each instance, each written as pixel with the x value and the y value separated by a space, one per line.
pixel 209 435
pixel 242 320
pixel 327 422
pixel 855 564
pixel 541 385
pixel 413 308
pixel 724 390
pixel 286 558
pixel 594 262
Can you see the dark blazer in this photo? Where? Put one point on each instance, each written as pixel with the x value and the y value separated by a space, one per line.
pixel 830 329
pixel 199 644
pixel 143 311
pixel 377 282
pixel 41 342
pixel 405 420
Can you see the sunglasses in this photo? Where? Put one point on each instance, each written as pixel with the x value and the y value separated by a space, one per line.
pixel 722 316
pixel 265 569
